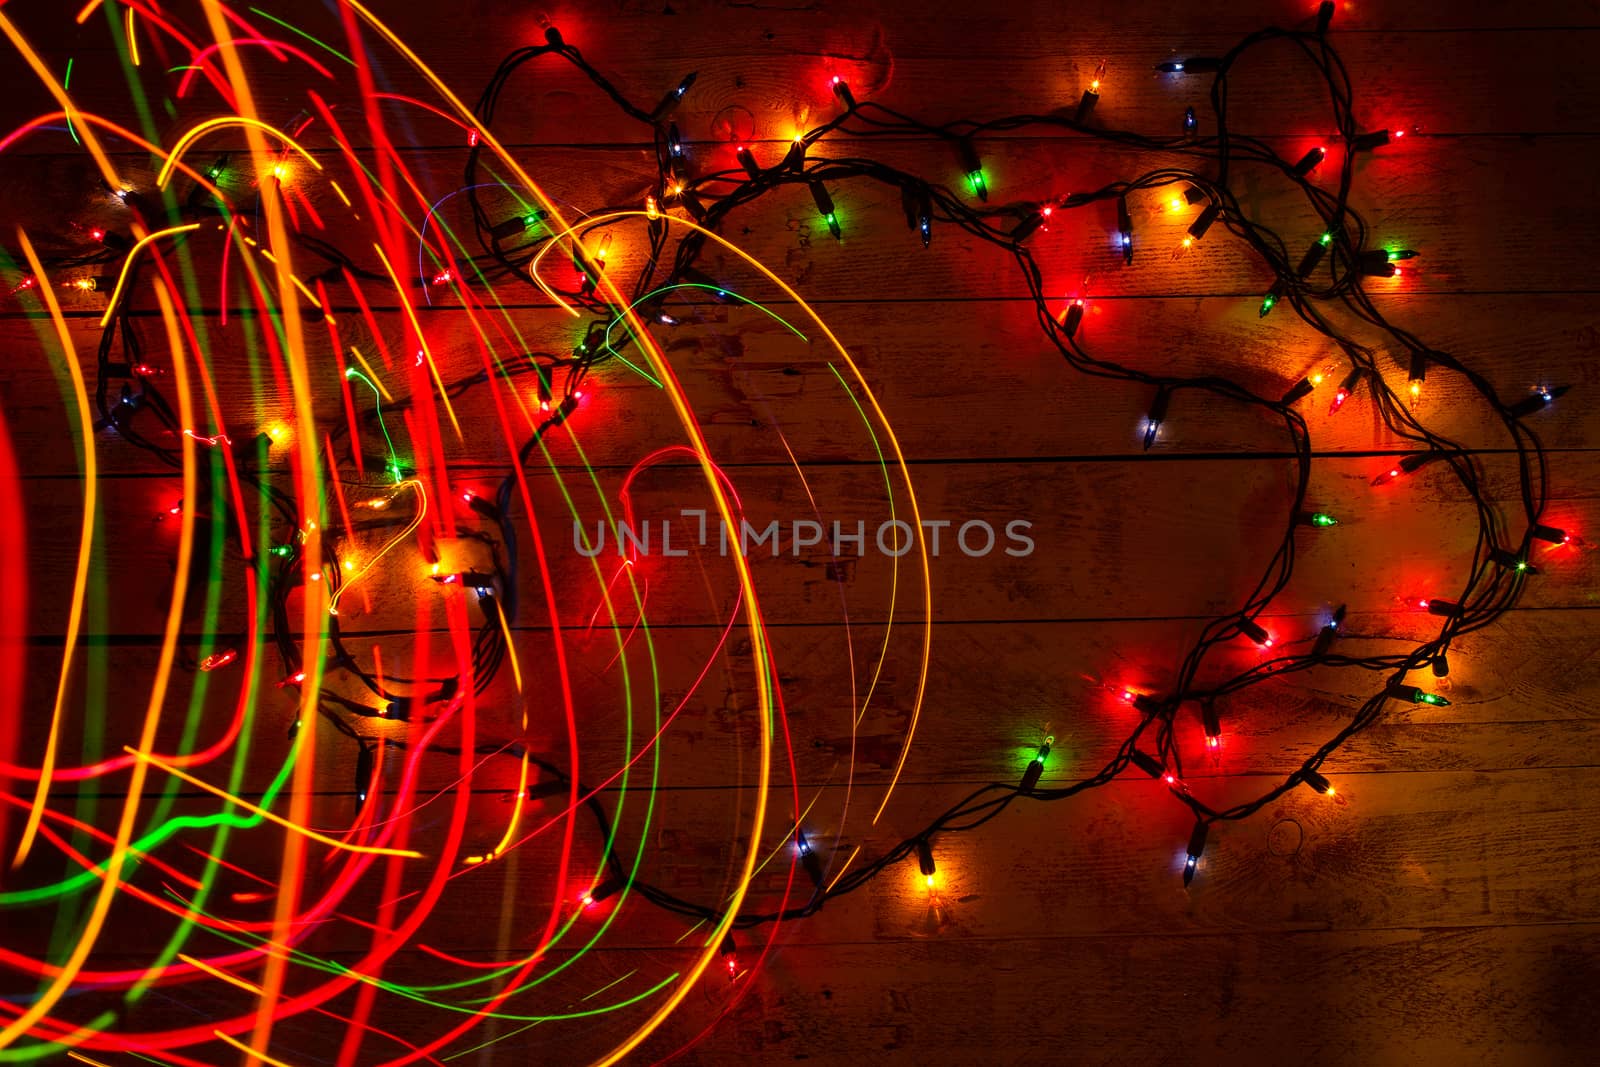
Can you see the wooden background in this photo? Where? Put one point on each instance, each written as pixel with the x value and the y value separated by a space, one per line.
pixel 1446 908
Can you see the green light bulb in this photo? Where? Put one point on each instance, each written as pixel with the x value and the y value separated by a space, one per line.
pixel 1266 305
pixel 281 550
pixel 1323 519
pixel 1433 698
pixel 1326 239
pixel 975 178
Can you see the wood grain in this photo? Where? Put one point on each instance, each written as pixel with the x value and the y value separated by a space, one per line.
pixel 1442 908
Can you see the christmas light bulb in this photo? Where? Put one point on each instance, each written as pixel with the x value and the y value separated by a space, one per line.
pixel 1417 696
pixel 674 141
pixel 1319 518
pixel 1309 161
pixel 1099 75
pixel 973 169
pixel 842 90
pixel 1125 229
pixel 1146 763
pixel 1551 534
pixel 1190 123
pixel 1271 300
pixel 1329 631
pixel 1141 702
pixel 1035 768
pixel 1152 422
pixel 218 659
pixel 1543 396
pixel 808 858
pixel 925 863
pixel 1346 388
pixel 1300 389
pixel 1072 317
pixel 363 773
pixel 652 210
pixel 1317 782
pixel 747 160
pixel 1407 465
pixel 1314 254
pixel 1511 561
pixel 824 203
pixel 1255 632
pixel 1197 845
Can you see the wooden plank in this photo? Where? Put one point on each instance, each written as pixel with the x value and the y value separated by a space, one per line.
pixel 769 68
pixel 1394 851
pixel 1433 196
pixel 1472 994
pixel 1101 549
pixel 946 396
pixel 988 704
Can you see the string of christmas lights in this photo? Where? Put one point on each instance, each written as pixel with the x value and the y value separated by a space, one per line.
pixel 711 186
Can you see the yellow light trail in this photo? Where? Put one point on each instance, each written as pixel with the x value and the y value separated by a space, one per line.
pixel 516 814
pixel 372 374
pixel 127 262
pixel 158 762
pixel 511 653
pixel 416 520
pixel 894 443
pixel 187 139
pixel 758 643
pixel 80 579
pixel 231 979
pixel 250 1050
pixel 133 41
pixel 298 284
pixel 51 994
pixel 427 354
pixel 308 488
